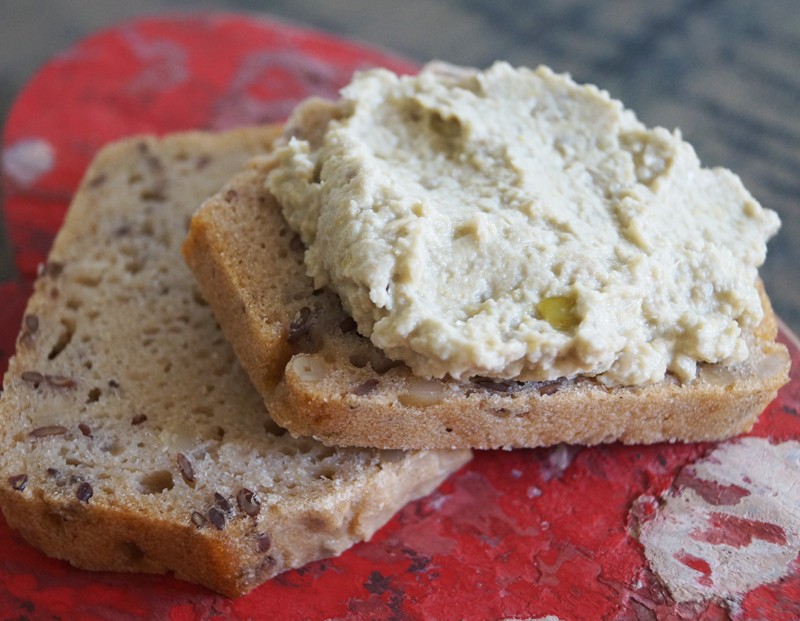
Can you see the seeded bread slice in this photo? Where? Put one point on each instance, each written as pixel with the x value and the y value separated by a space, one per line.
pixel 338 388
pixel 130 437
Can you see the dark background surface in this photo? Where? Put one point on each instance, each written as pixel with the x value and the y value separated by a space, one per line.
pixel 726 73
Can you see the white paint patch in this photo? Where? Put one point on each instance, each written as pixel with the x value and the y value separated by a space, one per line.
pixel 25 161
pixel 558 460
pixel 731 522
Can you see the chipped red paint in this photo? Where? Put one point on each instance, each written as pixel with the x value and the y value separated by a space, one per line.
pixel 700 565
pixel 642 509
pixel 712 492
pixel 738 532
pixel 748 544
pixel 517 534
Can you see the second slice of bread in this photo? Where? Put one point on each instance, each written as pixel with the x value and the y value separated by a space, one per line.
pixel 332 384
pixel 131 438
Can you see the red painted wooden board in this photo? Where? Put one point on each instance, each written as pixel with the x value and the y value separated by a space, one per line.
pixel 514 535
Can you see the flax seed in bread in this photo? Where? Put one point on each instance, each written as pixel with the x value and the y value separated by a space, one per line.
pixel 334 385
pixel 131 438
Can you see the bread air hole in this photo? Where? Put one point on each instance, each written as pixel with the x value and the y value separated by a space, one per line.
pixel 373 357
pixel 324 452
pixel 132 552
pixel 156 482
pixel 88 280
pixel 113 448
pixel 134 266
pixel 273 429
pixel 203 410
pixel 198 298
pixel 305 445
pixel 64 338
pixel 329 473
pixel 155 193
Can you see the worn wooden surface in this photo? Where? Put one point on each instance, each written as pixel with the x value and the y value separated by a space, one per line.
pixel 727 73
pixel 697 531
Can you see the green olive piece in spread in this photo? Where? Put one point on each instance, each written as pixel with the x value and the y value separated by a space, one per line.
pixel 558 311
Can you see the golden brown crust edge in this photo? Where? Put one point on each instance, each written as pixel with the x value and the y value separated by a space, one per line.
pixel 579 415
pixel 101 539
pixel 106 538
pixel 330 407
pixel 229 270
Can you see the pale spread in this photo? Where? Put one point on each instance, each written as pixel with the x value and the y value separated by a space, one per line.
pixel 512 223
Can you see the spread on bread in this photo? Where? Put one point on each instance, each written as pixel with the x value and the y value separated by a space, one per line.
pixel 514 224
pixel 320 378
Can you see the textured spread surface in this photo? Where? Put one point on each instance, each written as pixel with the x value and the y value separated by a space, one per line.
pixel 517 535
pixel 515 224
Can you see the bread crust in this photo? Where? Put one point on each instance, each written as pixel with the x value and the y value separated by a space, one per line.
pixel 341 391
pixel 131 438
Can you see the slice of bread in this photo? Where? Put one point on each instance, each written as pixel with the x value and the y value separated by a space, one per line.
pixel 131 438
pixel 338 388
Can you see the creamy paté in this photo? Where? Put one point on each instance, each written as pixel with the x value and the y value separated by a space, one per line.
pixel 512 223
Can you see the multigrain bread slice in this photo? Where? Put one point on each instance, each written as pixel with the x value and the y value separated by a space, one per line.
pixel 131 438
pixel 334 385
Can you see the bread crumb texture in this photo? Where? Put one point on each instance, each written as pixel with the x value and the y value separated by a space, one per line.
pixel 131 438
